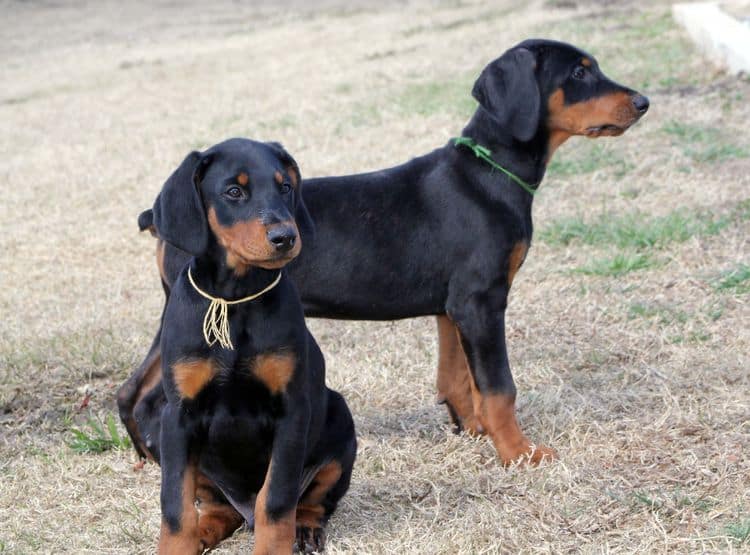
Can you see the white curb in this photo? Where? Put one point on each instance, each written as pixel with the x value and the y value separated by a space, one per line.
pixel 723 38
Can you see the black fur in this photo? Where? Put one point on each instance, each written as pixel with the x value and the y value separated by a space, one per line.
pixel 436 235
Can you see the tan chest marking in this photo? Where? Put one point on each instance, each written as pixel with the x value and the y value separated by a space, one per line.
pixel 275 370
pixel 517 256
pixel 191 376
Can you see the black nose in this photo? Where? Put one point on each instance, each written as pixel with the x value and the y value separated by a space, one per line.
pixel 641 103
pixel 282 237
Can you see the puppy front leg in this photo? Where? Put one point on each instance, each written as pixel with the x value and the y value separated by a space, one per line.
pixel 482 332
pixel 179 524
pixel 276 503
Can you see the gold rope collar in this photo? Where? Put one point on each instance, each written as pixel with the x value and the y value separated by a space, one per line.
pixel 216 320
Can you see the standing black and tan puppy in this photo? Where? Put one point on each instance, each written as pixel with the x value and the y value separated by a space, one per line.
pixel 249 431
pixel 444 234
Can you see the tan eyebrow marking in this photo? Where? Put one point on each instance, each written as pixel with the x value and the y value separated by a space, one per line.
pixel 586 62
pixel 243 179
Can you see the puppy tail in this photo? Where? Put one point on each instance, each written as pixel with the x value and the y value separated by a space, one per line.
pixel 146 221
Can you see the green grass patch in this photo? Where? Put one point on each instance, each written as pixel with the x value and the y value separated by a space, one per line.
pixel 587 160
pixel 635 230
pixel 642 498
pixel 451 96
pixel 704 143
pixel 664 315
pixel 739 531
pixel 670 503
pixel 364 115
pixel 98 436
pixel 736 280
pixel 743 210
pixel 618 265
pixel 669 316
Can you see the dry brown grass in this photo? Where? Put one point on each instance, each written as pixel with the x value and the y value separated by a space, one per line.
pixel 640 381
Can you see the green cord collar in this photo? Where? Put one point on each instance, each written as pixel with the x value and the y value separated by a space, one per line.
pixel 485 154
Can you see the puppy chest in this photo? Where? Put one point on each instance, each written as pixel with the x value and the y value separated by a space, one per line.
pixel 228 374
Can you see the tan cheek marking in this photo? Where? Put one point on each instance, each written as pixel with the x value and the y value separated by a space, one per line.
pixel 558 135
pixel 575 119
pixel 564 121
pixel 239 267
pixel 517 256
pixel 243 179
pixel 275 370
pixel 243 241
pixel 191 376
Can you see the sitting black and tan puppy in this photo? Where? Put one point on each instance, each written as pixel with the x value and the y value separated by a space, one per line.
pixel 249 430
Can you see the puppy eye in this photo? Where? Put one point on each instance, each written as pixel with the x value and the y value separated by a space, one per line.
pixel 579 72
pixel 285 188
pixel 233 192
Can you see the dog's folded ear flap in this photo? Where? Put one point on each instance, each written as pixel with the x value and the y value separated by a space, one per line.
pixel 507 89
pixel 305 223
pixel 290 164
pixel 178 213
pixel 146 221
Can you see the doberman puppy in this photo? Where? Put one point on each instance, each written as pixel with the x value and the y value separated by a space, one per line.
pixel 247 427
pixel 444 234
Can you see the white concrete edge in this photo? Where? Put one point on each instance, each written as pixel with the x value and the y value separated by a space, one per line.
pixel 723 38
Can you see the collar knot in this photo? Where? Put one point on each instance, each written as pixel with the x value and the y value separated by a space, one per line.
pixel 216 320
pixel 485 154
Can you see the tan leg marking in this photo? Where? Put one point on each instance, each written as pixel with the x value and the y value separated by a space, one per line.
pixel 310 510
pixel 453 377
pixel 272 536
pixel 497 413
pixel 186 540
pixel 217 519
pixel 515 260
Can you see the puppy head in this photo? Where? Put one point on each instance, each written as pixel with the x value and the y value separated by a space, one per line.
pixel 580 99
pixel 548 86
pixel 241 197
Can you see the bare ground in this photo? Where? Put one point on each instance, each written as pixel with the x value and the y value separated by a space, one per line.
pixel 639 380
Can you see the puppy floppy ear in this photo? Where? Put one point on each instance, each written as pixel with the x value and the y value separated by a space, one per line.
pixel 508 91
pixel 178 213
pixel 305 223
